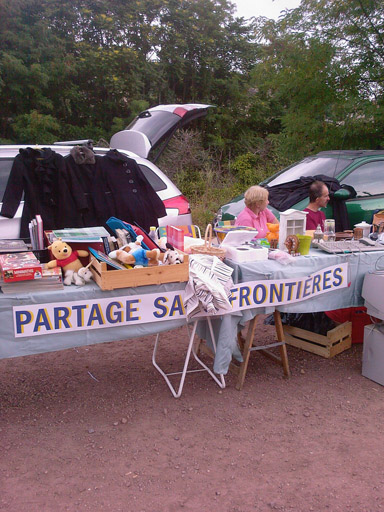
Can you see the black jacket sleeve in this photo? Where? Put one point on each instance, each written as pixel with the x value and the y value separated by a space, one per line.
pixel 14 189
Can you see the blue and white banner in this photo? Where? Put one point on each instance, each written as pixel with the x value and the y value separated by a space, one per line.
pixel 38 319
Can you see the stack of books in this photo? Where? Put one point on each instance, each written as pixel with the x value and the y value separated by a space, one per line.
pixel 81 238
pixel 36 233
pixel 22 272
pixel 8 246
pixel 51 280
pixel 20 266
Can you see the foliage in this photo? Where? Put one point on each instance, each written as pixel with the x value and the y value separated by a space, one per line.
pixel 247 169
pixel 36 127
pixel 310 81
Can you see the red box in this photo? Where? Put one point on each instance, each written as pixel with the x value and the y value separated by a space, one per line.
pixel 21 266
pixel 175 236
pixel 358 317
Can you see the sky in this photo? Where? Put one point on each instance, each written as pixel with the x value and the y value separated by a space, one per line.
pixel 267 8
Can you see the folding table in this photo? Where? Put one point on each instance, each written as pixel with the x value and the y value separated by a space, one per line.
pixel 10 346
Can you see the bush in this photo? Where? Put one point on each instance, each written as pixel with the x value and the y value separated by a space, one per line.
pixel 36 128
pixel 248 170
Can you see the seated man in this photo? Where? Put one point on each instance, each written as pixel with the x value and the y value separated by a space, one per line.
pixel 318 198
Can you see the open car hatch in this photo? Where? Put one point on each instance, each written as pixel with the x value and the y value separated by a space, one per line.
pixel 152 129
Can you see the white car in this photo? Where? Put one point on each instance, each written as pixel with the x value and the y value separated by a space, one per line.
pixel 151 130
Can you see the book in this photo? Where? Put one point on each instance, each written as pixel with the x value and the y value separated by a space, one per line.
pixel 20 266
pixel 106 259
pixel 8 246
pixel 36 233
pixel 92 234
pixel 40 232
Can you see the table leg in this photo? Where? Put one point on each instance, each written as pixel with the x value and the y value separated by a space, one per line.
pixel 248 348
pixel 246 353
pixel 283 347
pixel 191 349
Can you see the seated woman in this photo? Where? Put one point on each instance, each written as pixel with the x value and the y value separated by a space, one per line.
pixel 255 214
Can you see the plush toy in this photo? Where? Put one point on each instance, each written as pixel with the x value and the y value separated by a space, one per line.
pixel 171 256
pixel 273 234
pixel 134 254
pixel 68 260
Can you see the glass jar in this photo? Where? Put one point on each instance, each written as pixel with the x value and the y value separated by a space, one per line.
pixel 329 230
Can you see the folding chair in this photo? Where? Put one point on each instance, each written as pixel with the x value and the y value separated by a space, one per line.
pixel 191 230
pixel 248 347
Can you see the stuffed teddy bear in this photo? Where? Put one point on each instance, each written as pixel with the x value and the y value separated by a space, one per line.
pixel 273 234
pixel 68 260
pixel 134 254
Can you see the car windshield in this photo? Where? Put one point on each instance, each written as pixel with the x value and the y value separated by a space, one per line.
pixel 310 166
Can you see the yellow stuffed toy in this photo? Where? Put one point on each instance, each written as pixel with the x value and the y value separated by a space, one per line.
pixel 273 234
pixel 68 260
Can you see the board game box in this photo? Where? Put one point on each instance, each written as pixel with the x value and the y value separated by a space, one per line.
pixel 21 266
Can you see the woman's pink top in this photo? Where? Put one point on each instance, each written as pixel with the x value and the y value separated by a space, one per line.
pixel 259 222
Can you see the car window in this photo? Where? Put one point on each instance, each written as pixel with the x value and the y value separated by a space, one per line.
pixel 367 180
pixel 154 180
pixel 310 166
pixel 154 123
pixel 5 169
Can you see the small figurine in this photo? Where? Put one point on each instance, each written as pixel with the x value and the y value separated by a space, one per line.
pixel 292 244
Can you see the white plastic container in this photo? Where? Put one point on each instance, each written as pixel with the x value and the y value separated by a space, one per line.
pixel 237 249
pixel 365 227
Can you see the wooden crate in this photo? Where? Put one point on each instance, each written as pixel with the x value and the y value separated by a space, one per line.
pixel 337 340
pixel 109 279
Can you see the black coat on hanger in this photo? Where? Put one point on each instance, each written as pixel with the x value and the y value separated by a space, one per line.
pixel 41 175
pixel 81 168
pixel 121 190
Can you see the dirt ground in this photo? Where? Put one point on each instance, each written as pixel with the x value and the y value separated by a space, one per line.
pixel 96 428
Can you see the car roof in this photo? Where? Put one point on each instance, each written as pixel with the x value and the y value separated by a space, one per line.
pixel 10 150
pixel 351 153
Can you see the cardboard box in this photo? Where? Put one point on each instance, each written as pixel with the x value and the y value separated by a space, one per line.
pixel 336 341
pixel 20 266
pixel 109 279
pixel 373 354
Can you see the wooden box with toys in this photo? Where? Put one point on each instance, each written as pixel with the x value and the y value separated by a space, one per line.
pixel 144 267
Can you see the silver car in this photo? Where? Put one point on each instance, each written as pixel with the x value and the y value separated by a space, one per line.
pixel 149 131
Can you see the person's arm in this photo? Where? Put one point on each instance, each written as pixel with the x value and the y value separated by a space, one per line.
pixel 270 217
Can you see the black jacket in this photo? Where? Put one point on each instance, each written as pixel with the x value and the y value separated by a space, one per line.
pixel 81 169
pixel 41 175
pixel 121 190
pixel 285 195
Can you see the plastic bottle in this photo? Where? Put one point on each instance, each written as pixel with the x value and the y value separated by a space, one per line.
pixel 318 234
pixel 153 235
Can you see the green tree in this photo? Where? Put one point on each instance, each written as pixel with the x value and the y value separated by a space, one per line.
pixel 36 128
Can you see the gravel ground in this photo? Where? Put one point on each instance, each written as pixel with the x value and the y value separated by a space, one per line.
pixel 96 428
